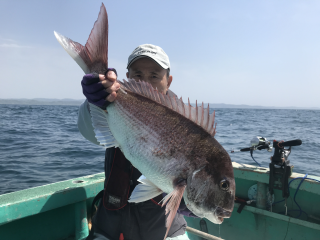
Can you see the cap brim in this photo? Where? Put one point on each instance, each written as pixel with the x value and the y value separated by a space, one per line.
pixel 143 56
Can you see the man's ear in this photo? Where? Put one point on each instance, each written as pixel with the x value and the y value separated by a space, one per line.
pixel 127 74
pixel 169 82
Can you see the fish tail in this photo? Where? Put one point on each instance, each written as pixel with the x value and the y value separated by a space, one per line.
pixel 93 57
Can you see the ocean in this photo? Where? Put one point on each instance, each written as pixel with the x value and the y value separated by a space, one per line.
pixel 41 144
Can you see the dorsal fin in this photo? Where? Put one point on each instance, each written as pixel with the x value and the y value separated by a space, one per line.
pixel 199 115
pixel 93 57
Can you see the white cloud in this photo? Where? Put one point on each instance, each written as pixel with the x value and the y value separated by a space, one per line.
pixel 2 39
pixel 12 45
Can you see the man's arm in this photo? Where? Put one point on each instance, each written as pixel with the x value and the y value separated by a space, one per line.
pixel 99 90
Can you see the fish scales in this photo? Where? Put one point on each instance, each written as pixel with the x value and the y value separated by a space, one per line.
pixel 172 140
pixel 147 139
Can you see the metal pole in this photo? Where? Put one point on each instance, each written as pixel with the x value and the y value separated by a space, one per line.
pixel 81 222
pixel 261 195
pixel 202 234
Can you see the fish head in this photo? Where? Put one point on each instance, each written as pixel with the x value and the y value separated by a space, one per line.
pixel 210 190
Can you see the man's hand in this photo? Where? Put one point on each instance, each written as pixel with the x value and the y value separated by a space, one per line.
pixel 100 89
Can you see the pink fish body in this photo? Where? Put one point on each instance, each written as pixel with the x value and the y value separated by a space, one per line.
pixel 171 143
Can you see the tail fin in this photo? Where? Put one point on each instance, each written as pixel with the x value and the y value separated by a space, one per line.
pixel 93 57
pixel 74 49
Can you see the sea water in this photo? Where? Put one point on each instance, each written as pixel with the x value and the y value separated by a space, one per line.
pixel 41 144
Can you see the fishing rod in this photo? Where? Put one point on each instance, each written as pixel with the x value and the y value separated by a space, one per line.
pixel 202 234
pixel 257 143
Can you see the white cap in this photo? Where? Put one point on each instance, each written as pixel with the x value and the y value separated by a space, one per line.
pixel 148 50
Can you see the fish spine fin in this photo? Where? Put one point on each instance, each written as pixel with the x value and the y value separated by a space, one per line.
pixel 168 102
pixel 202 115
pixel 189 108
pixel 93 57
pixel 101 127
pixel 183 112
pixel 173 199
pixel 197 114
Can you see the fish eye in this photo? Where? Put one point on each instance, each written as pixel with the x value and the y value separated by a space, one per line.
pixel 224 185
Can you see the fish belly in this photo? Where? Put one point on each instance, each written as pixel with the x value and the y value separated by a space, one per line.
pixel 142 146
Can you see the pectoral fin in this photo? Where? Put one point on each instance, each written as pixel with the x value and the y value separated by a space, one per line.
pixel 173 200
pixel 101 128
pixel 144 191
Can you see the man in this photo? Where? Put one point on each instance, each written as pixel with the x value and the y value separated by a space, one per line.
pixel 115 217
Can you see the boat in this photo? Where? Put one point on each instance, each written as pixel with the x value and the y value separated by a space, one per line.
pixel 60 211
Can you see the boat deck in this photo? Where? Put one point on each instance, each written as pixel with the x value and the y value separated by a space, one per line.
pixel 60 210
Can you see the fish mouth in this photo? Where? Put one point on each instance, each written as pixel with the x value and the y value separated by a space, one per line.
pixel 218 215
pixel 221 213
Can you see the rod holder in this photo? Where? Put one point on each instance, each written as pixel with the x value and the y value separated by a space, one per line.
pixel 261 195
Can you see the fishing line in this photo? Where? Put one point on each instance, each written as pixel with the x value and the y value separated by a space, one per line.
pixel 287 230
pixel 300 210
pixel 251 151
pixel 295 194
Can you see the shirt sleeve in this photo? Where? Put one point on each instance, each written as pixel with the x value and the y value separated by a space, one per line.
pixel 85 124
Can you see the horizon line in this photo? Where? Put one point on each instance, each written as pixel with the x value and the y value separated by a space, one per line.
pixel 227 105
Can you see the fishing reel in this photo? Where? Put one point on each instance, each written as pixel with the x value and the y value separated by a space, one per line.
pixel 259 143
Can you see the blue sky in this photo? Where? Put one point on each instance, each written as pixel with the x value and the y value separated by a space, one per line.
pixel 236 52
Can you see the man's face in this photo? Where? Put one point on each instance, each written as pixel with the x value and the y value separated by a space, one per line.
pixel 145 69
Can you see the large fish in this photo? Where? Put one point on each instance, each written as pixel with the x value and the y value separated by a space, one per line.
pixel 172 144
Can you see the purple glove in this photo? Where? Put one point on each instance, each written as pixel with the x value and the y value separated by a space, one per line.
pixel 183 208
pixel 94 90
